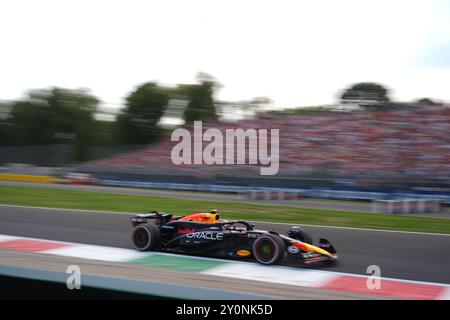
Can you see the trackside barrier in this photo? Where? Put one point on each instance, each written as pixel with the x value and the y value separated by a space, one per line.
pixel 170 186
pixel 26 178
pixel 406 206
pixel 270 195
pixel 286 193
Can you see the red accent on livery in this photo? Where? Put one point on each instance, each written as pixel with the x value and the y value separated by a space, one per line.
pixel 30 245
pixel 187 230
pixel 389 288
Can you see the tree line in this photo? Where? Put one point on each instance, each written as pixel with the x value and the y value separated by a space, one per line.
pixel 58 115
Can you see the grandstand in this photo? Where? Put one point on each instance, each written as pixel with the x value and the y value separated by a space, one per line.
pixel 397 145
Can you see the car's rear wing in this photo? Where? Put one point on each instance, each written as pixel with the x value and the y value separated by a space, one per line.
pixel 159 218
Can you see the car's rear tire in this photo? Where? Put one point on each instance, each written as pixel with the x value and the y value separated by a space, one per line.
pixel 268 249
pixel 298 233
pixel 146 237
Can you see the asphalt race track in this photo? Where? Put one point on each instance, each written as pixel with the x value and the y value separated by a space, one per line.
pixel 412 256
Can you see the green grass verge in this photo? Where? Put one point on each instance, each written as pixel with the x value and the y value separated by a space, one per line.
pixel 176 263
pixel 70 199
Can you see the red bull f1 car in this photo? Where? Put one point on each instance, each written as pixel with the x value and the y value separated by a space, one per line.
pixel 205 234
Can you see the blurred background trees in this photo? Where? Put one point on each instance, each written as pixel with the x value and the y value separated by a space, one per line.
pixel 428 102
pixel 200 96
pixel 365 92
pixel 52 116
pixel 137 122
pixel 65 116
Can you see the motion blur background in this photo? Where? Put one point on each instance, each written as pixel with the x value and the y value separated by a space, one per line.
pixel 358 89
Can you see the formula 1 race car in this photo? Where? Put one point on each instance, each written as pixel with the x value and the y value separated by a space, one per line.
pixel 206 235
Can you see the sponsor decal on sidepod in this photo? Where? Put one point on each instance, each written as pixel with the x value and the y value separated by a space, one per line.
pixel 205 235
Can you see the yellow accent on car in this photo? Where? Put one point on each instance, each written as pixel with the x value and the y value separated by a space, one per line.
pixel 243 253
pixel 308 247
pixel 316 249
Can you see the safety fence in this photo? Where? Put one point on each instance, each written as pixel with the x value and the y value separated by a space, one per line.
pixel 259 193
pixel 271 195
pixel 406 206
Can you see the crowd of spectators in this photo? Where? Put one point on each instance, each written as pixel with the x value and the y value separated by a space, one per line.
pixel 392 145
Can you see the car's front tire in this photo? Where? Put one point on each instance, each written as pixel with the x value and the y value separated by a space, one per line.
pixel 146 237
pixel 268 249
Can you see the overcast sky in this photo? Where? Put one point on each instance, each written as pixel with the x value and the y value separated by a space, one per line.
pixel 296 52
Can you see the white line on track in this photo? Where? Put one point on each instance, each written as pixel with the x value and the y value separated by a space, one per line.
pixel 267 222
